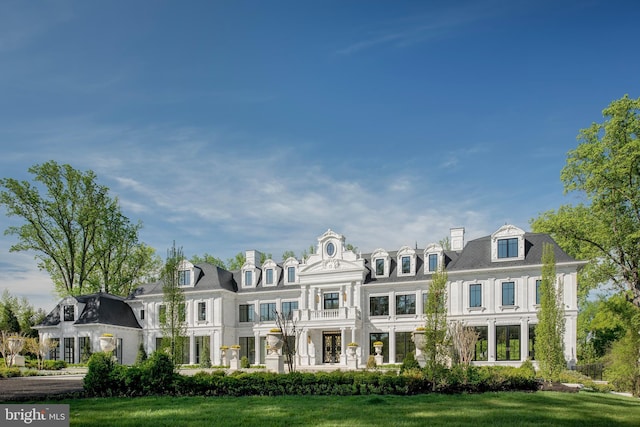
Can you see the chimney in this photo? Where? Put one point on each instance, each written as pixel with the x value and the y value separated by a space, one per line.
pixel 457 239
pixel 254 257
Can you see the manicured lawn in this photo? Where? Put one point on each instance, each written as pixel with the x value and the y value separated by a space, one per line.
pixel 489 409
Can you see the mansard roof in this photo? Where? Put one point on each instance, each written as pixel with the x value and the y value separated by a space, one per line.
pixel 206 276
pixel 393 267
pixel 99 308
pixel 477 254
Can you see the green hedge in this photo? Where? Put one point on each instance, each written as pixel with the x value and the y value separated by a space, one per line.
pixel 157 376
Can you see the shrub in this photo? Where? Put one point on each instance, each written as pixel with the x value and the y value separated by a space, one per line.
pixel 158 374
pixel 244 362
pixel 409 362
pixel 141 357
pixel 371 362
pixel 99 380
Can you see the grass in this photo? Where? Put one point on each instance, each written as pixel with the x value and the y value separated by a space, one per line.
pixel 490 409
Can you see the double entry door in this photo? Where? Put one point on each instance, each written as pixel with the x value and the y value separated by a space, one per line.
pixel 331 347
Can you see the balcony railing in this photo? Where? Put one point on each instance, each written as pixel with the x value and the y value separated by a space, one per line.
pixel 342 313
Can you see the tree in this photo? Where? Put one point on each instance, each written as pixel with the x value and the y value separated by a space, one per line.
pixel 290 336
pixel 464 342
pixel 435 334
pixel 209 259
pixel 605 230
pixel 288 254
pixel 236 262
pixel 69 226
pixel 9 322
pixel 550 329
pixel 13 309
pixel 173 322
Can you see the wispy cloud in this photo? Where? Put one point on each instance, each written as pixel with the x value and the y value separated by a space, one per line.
pixel 426 27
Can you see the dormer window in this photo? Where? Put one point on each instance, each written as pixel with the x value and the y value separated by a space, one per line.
pixel 185 273
pixel 406 261
pixel 184 277
pixel 270 273
pixel 291 267
pixel 433 258
pixel 508 248
pixel 381 263
pixel 507 244
pixel 69 313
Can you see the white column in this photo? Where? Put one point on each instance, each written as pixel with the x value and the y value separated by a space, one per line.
pixel 524 338
pixel 256 346
pixel 343 347
pixel 491 338
pixel 392 344
pixel 192 348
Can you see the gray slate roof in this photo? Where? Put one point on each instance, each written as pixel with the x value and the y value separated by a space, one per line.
pixel 100 308
pixel 206 277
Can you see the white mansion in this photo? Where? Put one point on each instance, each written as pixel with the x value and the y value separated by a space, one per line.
pixel 335 297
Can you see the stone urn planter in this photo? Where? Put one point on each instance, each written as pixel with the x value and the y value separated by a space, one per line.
pixel 377 346
pixel 107 343
pixel 352 348
pixel 234 363
pixel 274 341
pixel 418 339
pixel 223 355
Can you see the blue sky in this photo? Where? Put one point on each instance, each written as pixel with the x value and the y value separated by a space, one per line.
pixel 235 125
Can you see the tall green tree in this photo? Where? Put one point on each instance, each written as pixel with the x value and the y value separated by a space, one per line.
pixel 436 342
pixel 72 224
pixel 604 170
pixel 173 321
pixel 236 262
pixel 550 329
pixel 209 259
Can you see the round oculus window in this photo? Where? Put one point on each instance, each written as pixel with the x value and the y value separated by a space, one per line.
pixel 331 249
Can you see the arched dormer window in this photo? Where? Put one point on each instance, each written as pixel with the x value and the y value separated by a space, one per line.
pixel 270 273
pixel 380 263
pixel 406 261
pixel 291 271
pixel 433 258
pixel 185 274
pixel 250 275
pixel 507 244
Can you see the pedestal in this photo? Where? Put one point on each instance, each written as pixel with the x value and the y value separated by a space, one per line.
pixel 275 363
pixel 379 359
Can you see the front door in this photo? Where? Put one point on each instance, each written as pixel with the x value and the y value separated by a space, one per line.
pixel 332 346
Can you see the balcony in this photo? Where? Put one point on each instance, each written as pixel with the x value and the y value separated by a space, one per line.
pixel 342 313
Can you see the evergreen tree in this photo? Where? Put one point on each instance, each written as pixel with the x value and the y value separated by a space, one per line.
pixel 550 329
pixel 10 322
pixel 205 359
pixel 173 322
pixel 141 357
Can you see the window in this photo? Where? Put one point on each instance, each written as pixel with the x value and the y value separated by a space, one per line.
pixel 162 314
pixel 379 306
pixel 331 300
pixel 184 277
pixel 267 311
pixel 508 342
pixel 433 262
pixel 508 294
pixel 475 295
pixel 69 350
pixel 54 353
pixel 538 284
pixel 269 277
pixel 380 267
pixel 532 341
pixel 288 307
pixel 202 311
pixel 248 348
pixel 246 312
pixel 406 304
pixel 380 336
pixel 142 314
pixel 404 345
pixel 508 248
pixel 69 313
pixel 425 297
pixel 202 346
pixel 482 345
pixel 85 348
pixel 291 274
pixel 406 265
pixel 248 278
